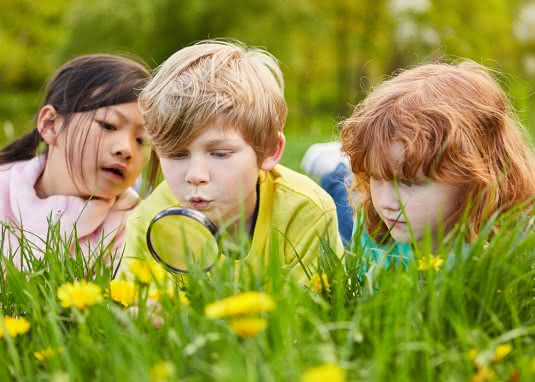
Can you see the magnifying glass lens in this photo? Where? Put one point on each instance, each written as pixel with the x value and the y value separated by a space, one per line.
pixel 182 240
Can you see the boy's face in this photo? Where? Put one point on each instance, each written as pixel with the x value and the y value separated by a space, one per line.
pixel 427 204
pixel 215 174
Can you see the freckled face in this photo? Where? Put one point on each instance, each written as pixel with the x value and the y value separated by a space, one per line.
pixel 427 204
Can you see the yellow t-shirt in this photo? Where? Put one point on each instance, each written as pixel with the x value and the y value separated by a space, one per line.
pixel 291 206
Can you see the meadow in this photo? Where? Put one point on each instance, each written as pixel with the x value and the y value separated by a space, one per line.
pixel 459 313
pixel 462 312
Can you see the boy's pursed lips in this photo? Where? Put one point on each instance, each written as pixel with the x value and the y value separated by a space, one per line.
pixel 198 202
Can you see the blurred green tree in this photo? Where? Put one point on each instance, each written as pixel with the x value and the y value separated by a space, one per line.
pixel 332 53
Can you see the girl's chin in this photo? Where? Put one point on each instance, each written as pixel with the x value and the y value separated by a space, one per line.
pixel 402 237
pixel 104 195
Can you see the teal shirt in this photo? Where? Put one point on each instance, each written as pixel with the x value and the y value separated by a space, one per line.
pixel 393 252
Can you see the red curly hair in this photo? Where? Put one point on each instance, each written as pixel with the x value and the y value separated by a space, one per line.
pixel 456 125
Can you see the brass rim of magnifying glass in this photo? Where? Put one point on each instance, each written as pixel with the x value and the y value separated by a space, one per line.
pixel 181 211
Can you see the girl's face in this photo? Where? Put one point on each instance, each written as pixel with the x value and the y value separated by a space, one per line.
pixel 105 152
pixel 426 204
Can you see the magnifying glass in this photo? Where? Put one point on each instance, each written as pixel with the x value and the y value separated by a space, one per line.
pixel 183 239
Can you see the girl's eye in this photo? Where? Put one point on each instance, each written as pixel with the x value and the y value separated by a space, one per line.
pixel 106 125
pixel 221 154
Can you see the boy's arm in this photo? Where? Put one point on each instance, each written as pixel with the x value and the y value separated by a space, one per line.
pixel 323 227
pixel 135 244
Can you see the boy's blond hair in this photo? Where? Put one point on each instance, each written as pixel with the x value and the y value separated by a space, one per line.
pixel 215 81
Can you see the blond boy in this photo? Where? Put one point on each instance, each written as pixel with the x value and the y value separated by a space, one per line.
pixel 215 112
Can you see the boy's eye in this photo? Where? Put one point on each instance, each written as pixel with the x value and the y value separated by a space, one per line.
pixel 221 154
pixel 106 125
pixel 181 155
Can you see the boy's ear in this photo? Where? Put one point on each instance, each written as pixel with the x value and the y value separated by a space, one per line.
pixel 48 124
pixel 272 159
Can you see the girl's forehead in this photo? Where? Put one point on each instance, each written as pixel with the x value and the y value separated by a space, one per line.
pixel 397 153
pixel 391 163
pixel 386 162
pixel 128 112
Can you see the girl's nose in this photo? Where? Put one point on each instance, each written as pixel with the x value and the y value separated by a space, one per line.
pixel 123 148
pixel 387 197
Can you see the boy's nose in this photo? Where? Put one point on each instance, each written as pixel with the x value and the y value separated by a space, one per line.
pixel 196 174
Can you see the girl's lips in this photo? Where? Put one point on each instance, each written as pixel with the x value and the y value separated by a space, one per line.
pixel 113 173
pixel 392 222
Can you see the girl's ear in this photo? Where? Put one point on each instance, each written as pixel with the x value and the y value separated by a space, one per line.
pixel 272 159
pixel 48 124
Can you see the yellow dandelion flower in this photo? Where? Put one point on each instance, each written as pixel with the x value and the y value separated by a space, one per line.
pixel 430 262
pixel 319 283
pixel 248 302
pixel 183 298
pixel 123 292
pixel 162 371
pixel 248 326
pixel 157 294
pixel 483 374
pixel 80 294
pixel 323 373
pixel 14 326
pixel 472 354
pixel 46 353
pixel 501 352
pixel 146 271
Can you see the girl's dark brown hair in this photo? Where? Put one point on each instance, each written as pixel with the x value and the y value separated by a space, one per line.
pixel 83 84
pixel 456 125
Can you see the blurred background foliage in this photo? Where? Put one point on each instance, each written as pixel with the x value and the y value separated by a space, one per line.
pixel 331 52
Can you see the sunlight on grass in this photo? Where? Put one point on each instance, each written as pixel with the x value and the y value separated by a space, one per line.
pixel 466 312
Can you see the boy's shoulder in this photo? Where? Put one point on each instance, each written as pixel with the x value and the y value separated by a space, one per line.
pixel 293 188
pixel 160 198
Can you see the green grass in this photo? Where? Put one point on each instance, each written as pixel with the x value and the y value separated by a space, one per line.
pixel 383 324
pixel 395 324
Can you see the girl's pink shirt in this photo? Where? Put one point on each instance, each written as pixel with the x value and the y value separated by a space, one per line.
pixel 97 221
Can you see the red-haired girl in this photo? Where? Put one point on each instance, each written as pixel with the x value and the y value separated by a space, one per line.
pixel 432 146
